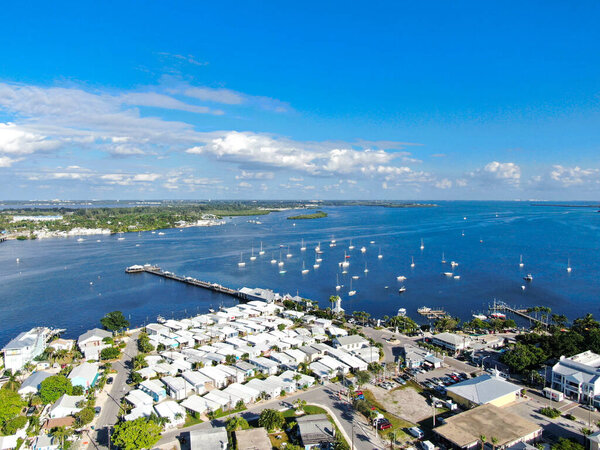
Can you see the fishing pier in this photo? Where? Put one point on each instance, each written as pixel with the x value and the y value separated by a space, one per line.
pixel 520 312
pixel 155 270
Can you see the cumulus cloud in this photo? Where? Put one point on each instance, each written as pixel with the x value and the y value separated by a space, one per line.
pixel 509 173
pixel 5 161
pixel 574 176
pixel 444 183
pixel 17 140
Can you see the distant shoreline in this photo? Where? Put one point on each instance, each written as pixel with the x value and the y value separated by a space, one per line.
pixel 565 205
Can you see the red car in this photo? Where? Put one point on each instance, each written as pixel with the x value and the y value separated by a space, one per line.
pixel 383 424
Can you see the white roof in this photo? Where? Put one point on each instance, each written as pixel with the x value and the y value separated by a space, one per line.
pixel 87 371
pixel 93 335
pixel 483 389
pixel 139 398
pixel 169 409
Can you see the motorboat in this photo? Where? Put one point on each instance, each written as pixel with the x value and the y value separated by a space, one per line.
pixel 363 249
pixel 528 277
pixel 401 312
pixel 401 289
pixel 400 278
pixel 448 274
pixel 424 309
pixel 480 316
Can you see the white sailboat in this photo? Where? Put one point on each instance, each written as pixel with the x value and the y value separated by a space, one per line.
pixel 363 249
pixel 318 248
pixel 400 278
pixel 261 252
pixel 366 270
pixel 302 246
pixel 401 289
pixel 252 257
pixel 412 261
pixel 316 265
pixel 351 292
pixel 273 260
pixel 345 262
pixel 379 256
pixel 569 265
pixel 422 245
pixel 443 258
pixel 355 277
pixel 337 282
pixel 280 263
pixel 241 263
pixel 453 263
pixel 521 261
pixel 351 247
pixel 304 269
pixel 288 255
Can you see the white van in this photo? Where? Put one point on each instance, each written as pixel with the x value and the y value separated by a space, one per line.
pixel 416 432
pixel 426 445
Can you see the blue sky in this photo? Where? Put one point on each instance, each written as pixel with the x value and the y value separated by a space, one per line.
pixel 385 100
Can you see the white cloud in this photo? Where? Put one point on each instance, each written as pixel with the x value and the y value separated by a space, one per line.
pixel 225 96
pixel 509 173
pixel 156 100
pixel 5 161
pixel 254 175
pixel 244 185
pixel 574 176
pixel 17 140
pixel 444 183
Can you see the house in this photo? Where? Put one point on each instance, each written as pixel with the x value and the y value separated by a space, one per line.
pixel 138 398
pixel 84 375
pixel 244 392
pixel 24 348
pixel 197 380
pixel 451 341
pixel 464 430
pixel 578 377
pixel 315 431
pixel 91 343
pixel 66 405
pixel 414 357
pixel 66 422
pixel 299 379
pixel 218 378
pixel 271 390
pixel 593 440
pixel 350 342
pixel 264 365
pixel 195 404
pixel 45 442
pixel 334 365
pixel 253 439
pixel 62 344
pixel 213 439
pixel 32 383
pixel 249 369
pixel 172 411
pixel 154 389
pixel 485 389
pixel 8 442
pixel 177 387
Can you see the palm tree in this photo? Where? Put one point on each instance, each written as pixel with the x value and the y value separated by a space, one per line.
pixel 482 439
pixel 297 377
pixel 61 433
pixel 494 442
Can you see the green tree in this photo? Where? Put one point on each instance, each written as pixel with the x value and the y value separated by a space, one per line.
pixel 271 419
pixel 523 357
pixel 139 362
pixel 11 426
pixel 363 377
pixel 236 423
pixel 230 359
pixel 114 321
pixel 85 416
pixel 447 323
pixel 567 444
pixel 61 433
pixel 136 434
pixel 144 344
pixel 77 390
pixel 109 353
pixel 55 386
pixel 281 326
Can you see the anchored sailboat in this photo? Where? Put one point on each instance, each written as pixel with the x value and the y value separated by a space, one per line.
pixel 351 292
pixel 304 269
pixel 241 263
pixel 302 246
pixel 261 252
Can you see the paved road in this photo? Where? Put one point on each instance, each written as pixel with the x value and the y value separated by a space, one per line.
pixel 111 401
pixel 326 395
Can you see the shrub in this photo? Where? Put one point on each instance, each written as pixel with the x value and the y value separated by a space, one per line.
pixel 548 411
pixel 109 353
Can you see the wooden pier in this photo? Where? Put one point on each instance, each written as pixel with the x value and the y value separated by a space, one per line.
pixel 521 312
pixel 433 313
pixel 155 270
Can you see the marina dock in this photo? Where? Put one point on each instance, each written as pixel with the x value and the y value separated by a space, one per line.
pixel 433 313
pixel 521 312
pixel 215 287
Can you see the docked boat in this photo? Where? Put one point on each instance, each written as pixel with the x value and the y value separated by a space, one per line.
pixel 480 316
pixel 261 251
pixel 424 310
pixel 528 277
pixel 401 289
pixel 241 263
pixel 497 315
pixel 401 312
pixel 160 319
pixel 131 269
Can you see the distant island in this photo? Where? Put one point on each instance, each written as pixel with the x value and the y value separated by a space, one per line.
pixel 315 215
pixel 44 219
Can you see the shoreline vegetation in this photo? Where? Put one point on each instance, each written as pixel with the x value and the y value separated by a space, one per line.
pixel 315 215
pixel 34 220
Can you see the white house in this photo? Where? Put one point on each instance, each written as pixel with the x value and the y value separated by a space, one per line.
pixel 246 393
pixel 197 380
pixel 172 411
pixel 32 383
pixel 91 342
pixel 350 342
pixel 219 379
pixel 66 405
pixel 264 365
pixel 62 344
pixel 24 348
pixel 177 387
pixel 154 389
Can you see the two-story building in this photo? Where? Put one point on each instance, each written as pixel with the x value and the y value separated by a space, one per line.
pixel 578 377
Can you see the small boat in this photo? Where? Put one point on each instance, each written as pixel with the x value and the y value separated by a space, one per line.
pixel 18 260
pixel 288 254
pixel 211 310
pixel 463 233
pixel 252 257
pixel 160 319
pixel 401 312
pixel 351 292
pixel 302 246
pixel 316 265
pixel 480 316
pixel 281 272
pixel 80 240
pixel 528 277
pixel 412 261
pixel 372 242
pixel 161 233
pixel 319 260
pixel 351 247
pixel 457 277
pixel 422 245
pixel 355 277
pixel 522 287
pixel 453 263
pixel 91 283
pixel 154 232
pixel 98 240
pixel 366 270
pixel 379 256
pixel 400 278
pixel 273 260
pixel 521 261
pixel 121 239
pixel 363 249
pixel 497 315
pixel 424 309
pixel 280 263
pixel 345 263
pixel 261 251
pixel 443 258
pixel 304 269
pixel 241 263
pixel 344 272
pixel 569 265
pixel 318 248
pixel 448 274
pixel 337 282
pixel 401 289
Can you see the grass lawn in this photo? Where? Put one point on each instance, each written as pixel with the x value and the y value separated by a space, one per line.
pixel 310 409
pixel 277 439
pixel 398 424
pixel 191 420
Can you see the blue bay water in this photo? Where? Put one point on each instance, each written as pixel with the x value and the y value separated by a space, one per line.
pixel 68 284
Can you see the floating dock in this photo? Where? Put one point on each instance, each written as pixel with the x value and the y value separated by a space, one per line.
pixel 215 287
pixel 433 313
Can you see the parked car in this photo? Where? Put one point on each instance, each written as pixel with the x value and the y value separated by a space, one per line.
pixel 416 432
pixel 383 424
pixel 109 380
pixel 98 410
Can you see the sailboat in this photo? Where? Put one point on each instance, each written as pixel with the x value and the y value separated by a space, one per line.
pixel 379 256
pixel 241 263
pixel 443 258
pixel 401 289
pixel 288 255
pixel 400 278
pixel 318 248
pixel 345 262
pixel 261 252
pixel 316 265
pixel 363 249
pixel 280 263
pixel 252 257
pixel 337 282
pixel 351 247
pixel 351 292
pixel 302 246
pixel 453 263
pixel 366 270
pixel 273 260
pixel 412 261
pixel 521 261
pixel 569 265
pixel 422 245
pixel 304 269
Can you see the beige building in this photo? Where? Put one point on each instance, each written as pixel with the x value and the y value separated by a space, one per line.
pixel 484 390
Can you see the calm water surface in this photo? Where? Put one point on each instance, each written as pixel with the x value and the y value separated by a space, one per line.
pixel 69 284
